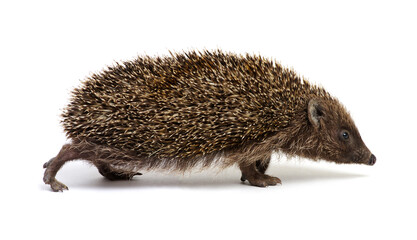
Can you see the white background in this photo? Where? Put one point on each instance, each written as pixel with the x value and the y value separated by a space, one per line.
pixel 363 52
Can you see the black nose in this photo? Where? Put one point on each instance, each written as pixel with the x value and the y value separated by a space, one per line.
pixel 372 160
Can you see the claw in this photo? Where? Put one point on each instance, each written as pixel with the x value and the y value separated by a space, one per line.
pixel 57 186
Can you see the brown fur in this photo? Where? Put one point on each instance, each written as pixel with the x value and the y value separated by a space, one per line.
pixel 198 109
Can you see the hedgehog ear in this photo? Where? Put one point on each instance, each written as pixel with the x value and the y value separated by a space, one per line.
pixel 315 112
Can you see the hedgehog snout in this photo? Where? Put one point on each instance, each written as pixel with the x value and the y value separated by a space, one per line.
pixel 372 160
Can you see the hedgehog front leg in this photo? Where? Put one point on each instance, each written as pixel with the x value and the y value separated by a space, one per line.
pixel 261 166
pixel 255 177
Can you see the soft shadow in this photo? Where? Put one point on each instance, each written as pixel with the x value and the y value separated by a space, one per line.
pixel 299 173
pixel 76 176
pixel 158 181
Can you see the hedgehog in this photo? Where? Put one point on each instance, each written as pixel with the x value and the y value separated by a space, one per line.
pixel 199 109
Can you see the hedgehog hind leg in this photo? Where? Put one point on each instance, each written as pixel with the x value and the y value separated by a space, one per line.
pixel 114 175
pixel 103 157
pixel 256 178
pixel 67 153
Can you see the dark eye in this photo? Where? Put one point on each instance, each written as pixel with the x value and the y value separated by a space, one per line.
pixel 345 135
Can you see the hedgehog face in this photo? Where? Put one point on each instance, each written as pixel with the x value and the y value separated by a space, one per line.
pixel 337 136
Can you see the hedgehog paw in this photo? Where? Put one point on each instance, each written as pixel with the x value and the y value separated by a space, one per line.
pixel 262 180
pixel 56 185
pixel 115 176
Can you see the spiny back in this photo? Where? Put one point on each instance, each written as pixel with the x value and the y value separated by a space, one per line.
pixel 185 105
